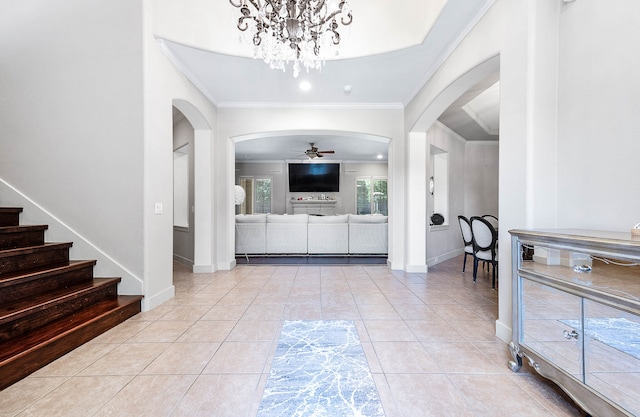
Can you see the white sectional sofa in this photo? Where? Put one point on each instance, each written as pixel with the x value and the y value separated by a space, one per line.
pixel 301 234
pixel 287 234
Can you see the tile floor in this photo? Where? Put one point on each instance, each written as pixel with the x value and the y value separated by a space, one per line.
pixel 429 339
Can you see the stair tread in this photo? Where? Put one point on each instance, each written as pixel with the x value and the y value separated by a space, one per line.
pixel 59 328
pixel 23 276
pixel 32 249
pixel 22 228
pixel 23 307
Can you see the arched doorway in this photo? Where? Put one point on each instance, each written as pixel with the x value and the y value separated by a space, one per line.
pixel 289 147
pixel 203 226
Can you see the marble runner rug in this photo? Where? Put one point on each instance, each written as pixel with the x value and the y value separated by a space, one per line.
pixel 619 333
pixel 319 370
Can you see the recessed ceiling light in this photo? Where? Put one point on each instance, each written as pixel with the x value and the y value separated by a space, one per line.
pixel 379 156
pixel 348 88
pixel 305 85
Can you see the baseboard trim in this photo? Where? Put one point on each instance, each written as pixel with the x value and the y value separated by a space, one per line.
pixel 503 332
pixel 151 302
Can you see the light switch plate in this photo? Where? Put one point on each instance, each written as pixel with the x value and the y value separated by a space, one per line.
pixel 157 208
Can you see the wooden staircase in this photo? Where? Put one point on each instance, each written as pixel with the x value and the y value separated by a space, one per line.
pixel 49 305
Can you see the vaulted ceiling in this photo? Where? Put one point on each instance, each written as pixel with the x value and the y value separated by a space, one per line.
pixel 386 55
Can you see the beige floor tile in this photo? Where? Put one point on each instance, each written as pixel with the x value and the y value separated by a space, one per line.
pixel 161 331
pixel 20 395
pixel 225 312
pixel 404 358
pixel 302 311
pixel 239 358
pixel 427 395
pixel 219 395
pixel 460 358
pixel 378 312
pixel 455 312
pixel 264 312
pixel 155 314
pixel 251 330
pixel 389 331
pixel 434 330
pixel 76 360
pixel 148 396
pixel 475 330
pixel 550 395
pixel 122 332
pixel 126 359
pixel 186 313
pixel 208 331
pixel 416 312
pixel 77 397
pixel 340 312
pixel 480 392
pixel 172 360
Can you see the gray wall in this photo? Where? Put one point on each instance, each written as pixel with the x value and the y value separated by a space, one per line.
pixel 345 198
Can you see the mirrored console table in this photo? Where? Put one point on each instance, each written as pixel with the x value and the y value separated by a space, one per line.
pixel 576 315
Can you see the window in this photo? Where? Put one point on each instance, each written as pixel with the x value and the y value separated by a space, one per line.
pixel 371 195
pixel 258 191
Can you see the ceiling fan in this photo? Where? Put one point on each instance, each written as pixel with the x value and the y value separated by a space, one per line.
pixel 313 152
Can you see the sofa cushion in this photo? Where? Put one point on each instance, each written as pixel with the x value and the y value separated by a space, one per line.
pixel 287 218
pixel 251 218
pixel 367 218
pixel 340 218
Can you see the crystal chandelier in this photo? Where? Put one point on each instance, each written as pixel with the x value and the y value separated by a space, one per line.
pixel 297 31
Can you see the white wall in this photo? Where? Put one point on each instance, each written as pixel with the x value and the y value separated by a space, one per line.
pixel 598 107
pixel 567 132
pixel 481 179
pixel 165 86
pixel 444 242
pixel 72 125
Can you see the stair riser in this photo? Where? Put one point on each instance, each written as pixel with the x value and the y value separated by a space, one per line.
pixel 21 239
pixel 40 317
pixel 18 367
pixel 47 283
pixel 29 261
pixel 9 218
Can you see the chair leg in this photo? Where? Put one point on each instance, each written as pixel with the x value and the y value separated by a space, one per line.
pixel 464 261
pixel 493 277
pixel 475 268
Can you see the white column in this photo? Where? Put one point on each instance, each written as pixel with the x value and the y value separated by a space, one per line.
pixel 203 202
pixel 416 198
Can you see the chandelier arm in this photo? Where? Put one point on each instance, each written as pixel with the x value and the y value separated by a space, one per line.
pixel 257 5
pixel 347 23
pixel 331 16
pixel 241 22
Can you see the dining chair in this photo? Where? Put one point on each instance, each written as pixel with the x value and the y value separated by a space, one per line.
pixel 492 219
pixel 485 245
pixel 467 238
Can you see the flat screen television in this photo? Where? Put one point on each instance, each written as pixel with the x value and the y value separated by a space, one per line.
pixel 314 177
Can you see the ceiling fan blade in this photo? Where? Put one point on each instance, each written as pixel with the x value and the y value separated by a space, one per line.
pixel 326 151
